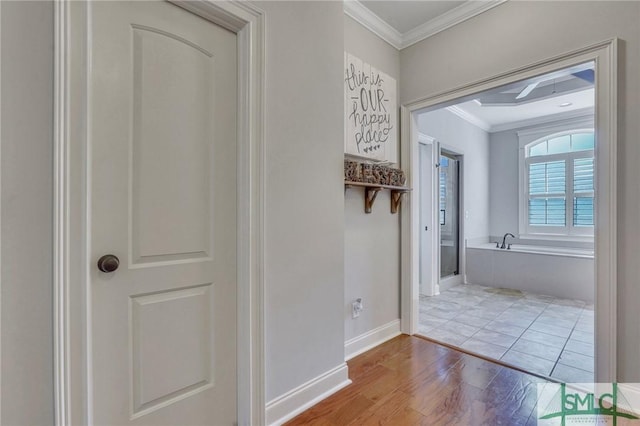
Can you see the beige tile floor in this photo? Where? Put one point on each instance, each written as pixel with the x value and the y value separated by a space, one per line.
pixel 541 334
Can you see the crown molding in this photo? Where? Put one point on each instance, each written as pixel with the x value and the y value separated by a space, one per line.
pixel 469 118
pixel 583 113
pixel 455 16
pixel 375 24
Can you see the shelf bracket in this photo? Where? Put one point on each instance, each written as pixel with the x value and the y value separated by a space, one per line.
pixel 370 194
pixel 396 200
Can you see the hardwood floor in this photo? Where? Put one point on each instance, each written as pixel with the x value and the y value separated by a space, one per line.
pixel 412 381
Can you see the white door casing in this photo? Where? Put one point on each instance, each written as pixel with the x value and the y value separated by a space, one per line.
pixel 169 212
pixel 427 187
pixel 604 54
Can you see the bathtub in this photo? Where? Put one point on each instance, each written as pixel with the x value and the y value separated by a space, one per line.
pixel 563 272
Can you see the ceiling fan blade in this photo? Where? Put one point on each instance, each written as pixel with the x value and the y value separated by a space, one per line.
pixel 525 92
pixel 586 75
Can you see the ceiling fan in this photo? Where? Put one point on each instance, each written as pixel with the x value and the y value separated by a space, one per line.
pixel 586 75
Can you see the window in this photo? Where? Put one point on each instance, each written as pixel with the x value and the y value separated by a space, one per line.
pixel 559 185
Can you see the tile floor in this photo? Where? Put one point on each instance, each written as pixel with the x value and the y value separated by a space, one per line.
pixel 541 334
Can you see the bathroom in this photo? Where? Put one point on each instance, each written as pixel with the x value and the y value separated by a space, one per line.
pixel 507 224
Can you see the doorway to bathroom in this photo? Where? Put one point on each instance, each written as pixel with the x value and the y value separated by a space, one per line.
pixel 441 221
pixel 448 215
pixel 560 329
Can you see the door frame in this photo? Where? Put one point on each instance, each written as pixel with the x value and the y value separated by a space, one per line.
pixel 433 288
pixel 453 280
pixel 72 378
pixel 605 57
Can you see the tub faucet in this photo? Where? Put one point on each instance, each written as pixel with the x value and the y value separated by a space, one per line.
pixel 505 238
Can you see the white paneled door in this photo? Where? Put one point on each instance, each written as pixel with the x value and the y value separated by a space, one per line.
pixel 162 199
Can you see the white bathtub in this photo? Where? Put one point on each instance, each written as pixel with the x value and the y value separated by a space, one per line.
pixel 547 250
pixel 555 271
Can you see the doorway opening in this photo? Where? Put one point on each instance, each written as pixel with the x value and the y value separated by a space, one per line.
pixel 514 201
pixel 526 296
pixel 448 215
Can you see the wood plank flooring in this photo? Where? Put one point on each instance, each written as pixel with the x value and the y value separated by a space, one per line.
pixel 412 381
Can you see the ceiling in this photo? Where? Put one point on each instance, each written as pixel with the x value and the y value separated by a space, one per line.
pixel 535 100
pixel 407 15
pixel 551 96
pixel 402 23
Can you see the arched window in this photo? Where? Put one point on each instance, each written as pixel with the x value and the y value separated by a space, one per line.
pixel 559 184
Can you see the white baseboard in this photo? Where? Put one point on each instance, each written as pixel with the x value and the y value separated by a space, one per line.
pixel 371 339
pixel 287 406
pixel 631 393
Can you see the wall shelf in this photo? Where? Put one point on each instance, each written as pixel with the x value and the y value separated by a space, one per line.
pixel 371 192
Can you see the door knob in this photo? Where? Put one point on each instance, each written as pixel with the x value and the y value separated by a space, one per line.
pixel 108 263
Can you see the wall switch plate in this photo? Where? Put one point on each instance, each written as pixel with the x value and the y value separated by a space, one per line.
pixel 356 308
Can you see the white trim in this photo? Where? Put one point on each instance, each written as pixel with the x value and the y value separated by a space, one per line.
pixel 395 38
pixel 61 320
pixel 371 339
pixel 472 119
pixel 294 402
pixel 373 22
pixel 71 340
pixel 447 20
pixel 434 279
pixel 529 137
pixel 605 56
pixel 579 122
pixel 425 139
pixel 567 115
pixel 631 392
pixel 1 223
pixel 530 122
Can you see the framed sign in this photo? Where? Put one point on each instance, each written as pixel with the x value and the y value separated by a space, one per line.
pixel 371 113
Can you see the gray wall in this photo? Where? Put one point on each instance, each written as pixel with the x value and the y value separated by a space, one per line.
pixel 26 389
pixel 371 241
pixel 473 142
pixel 503 179
pixel 516 34
pixel 304 269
